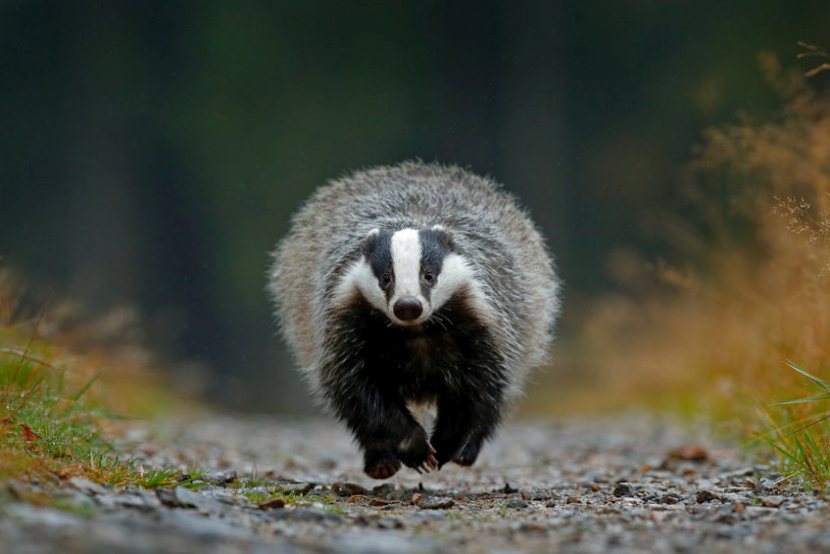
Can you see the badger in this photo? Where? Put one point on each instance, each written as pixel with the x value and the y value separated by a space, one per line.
pixel 411 285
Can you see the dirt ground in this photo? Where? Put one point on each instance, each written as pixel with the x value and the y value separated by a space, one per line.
pixel 625 484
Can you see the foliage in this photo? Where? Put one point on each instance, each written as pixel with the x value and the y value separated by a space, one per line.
pixel 55 405
pixel 748 288
pixel 800 434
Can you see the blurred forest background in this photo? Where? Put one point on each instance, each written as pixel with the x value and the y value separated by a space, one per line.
pixel 152 152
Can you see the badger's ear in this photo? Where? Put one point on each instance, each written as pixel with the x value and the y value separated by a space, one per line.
pixel 370 241
pixel 444 237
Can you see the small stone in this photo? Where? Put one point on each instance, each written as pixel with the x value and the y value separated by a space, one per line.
pixel 509 488
pixel 706 495
pixel 624 489
pixel 272 504
pixel 436 503
pixel 742 472
pixel 135 502
pixel 220 478
pixel 773 501
pixel 86 486
pixel 348 489
pixel 299 488
pixel 383 489
pixel 517 504
pixel 416 498
pixel 670 498
pixel 768 485
pixel 538 495
pixel 691 453
pixel 179 497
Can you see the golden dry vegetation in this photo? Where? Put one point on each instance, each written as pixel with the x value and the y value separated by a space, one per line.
pixel 748 289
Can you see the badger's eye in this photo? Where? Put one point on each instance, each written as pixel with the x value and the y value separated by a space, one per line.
pixel 385 278
pixel 428 276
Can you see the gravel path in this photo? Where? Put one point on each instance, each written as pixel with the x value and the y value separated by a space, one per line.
pixel 628 484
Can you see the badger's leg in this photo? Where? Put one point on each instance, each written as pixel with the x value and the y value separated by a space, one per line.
pixel 384 428
pixel 469 454
pixel 462 426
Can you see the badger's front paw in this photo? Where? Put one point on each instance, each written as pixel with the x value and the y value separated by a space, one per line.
pixel 469 454
pixel 448 442
pixel 416 452
pixel 380 464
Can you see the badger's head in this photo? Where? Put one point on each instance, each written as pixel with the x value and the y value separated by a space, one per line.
pixel 408 274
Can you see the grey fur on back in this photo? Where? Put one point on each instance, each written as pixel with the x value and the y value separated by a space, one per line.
pixel 492 232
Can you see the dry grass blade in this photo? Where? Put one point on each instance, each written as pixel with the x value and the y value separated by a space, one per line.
pixel 816 70
pixel 29 358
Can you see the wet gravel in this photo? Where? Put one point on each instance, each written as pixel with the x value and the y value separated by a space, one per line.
pixel 627 484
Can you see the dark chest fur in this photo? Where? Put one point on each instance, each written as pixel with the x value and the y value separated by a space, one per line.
pixel 443 355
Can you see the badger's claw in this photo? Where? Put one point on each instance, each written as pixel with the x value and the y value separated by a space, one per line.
pixel 424 468
pixel 416 452
pixel 432 461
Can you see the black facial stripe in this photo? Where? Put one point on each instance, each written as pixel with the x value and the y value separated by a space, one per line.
pixel 434 247
pixel 378 252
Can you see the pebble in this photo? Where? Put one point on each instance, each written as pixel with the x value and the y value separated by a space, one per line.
pixel 706 495
pixel 220 478
pixel 436 503
pixel 773 501
pixel 179 497
pixel 271 504
pixel 670 498
pixel 624 489
pixel 348 489
pixel 87 486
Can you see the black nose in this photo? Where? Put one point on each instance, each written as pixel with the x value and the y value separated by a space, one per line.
pixel 407 309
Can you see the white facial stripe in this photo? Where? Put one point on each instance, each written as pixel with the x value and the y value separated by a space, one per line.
pixel 406 261
pixel 360 276
pixel 455 273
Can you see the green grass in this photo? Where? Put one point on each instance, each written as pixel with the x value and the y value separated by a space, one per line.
pixel 259 489
pixel 50 427
pixel 45 424
pixel 799 432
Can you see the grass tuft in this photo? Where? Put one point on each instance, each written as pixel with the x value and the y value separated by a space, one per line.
pixel 799 432
pixel 56 406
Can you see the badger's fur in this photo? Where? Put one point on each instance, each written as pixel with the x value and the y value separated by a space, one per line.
pixel 415 284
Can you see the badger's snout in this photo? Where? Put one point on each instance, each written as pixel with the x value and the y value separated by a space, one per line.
pixel 408 309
